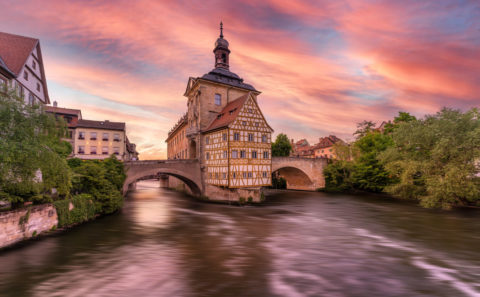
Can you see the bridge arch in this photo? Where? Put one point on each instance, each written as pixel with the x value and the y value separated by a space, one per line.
pixel 295 177
pixel 300 173
pixel 187 171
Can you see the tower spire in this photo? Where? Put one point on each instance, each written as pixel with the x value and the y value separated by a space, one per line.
pixel 221 51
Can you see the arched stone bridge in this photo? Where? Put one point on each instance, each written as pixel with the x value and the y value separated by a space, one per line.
pixel 300 173
pixel 187 171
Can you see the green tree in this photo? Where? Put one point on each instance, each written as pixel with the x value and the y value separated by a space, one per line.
pixel 103 180
pixel 368 173
pixel 32 159
pixel 364 128
pixel 358 167
pixel 115 172
pixel 338 176
pixel 282 146
pixel 435 159
pixel 402 117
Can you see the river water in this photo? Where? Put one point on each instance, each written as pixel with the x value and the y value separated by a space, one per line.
pixel 298 244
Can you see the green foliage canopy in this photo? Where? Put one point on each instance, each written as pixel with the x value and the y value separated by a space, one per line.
pixel 436 159
pixel 282 146
pixel 103 180
pixel 32 158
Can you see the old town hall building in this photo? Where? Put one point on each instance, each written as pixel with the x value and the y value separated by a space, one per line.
pixel 224 127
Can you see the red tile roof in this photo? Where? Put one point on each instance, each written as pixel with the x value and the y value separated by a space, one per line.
pixel 327 141
pixel 62 110
pixel 107 125
pixel 15 49
pixel 228 114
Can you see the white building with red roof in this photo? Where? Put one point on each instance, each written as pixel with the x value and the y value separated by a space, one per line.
pixel 21 67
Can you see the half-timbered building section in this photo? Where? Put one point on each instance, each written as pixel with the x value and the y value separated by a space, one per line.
pixel 216 157
pixel 21 67
pixel 250 147
pixel 248 142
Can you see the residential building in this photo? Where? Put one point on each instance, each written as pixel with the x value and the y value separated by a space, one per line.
pixel 95 139
pixel 325 147
pixel 99 139
pixel 70 116
pixel 177 141
pixel 302 149
pixel 22 69
pixel 224 127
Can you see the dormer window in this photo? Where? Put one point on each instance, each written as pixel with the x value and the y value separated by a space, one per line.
pixel 218 99
pixel 25 75
pixel 38 87
pixel 34 64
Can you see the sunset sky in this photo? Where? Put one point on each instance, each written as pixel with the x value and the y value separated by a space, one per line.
pixel 322 66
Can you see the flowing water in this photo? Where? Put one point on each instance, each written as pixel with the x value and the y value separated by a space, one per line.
pixel 298 244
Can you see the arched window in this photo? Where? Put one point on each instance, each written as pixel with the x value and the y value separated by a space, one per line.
pixel 224 58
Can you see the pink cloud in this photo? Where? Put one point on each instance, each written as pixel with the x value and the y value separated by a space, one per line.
pixel 384 56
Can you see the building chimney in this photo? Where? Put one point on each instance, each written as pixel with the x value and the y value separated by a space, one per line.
pixel 55 104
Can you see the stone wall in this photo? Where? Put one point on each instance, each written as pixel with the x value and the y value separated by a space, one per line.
pixel 178 185
pixel 17 225
pixel 215 193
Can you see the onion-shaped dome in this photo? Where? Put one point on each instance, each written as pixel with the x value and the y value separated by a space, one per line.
pixel 221 43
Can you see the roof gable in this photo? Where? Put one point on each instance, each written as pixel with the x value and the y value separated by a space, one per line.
pixel 250 117
pixel 15 49
pixel 190 84
pixel 14 52
pixel 228 114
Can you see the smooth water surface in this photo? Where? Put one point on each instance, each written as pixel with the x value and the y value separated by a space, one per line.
pixel 298 244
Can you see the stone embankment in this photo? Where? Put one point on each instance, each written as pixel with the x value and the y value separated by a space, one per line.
pixel 21 224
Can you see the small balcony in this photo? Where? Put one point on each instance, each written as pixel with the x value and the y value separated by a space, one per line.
pixel 81 152
pixel 105 139
pixel 117 140
pixel 93 138
pixel 81 137
pixel 104 153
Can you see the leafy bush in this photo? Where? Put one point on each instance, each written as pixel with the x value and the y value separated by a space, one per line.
pixel 338 176
pixel 83 210
pixel 32 158
pixel 103 180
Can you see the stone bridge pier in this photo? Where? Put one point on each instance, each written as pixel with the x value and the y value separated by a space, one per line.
pixel 301 173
